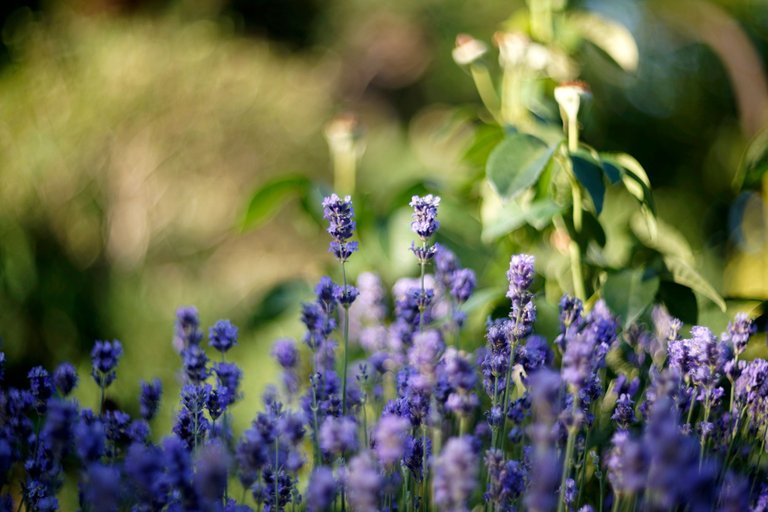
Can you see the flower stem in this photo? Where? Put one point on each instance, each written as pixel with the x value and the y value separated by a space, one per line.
pixel 567 460
pixel 346 345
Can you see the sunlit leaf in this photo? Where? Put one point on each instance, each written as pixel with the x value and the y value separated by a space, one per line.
pixel 683 273
pixel 270 197
pixel 539 213
pixel 516 163
pixel 629 292
pixel 667 240
pixel 611 37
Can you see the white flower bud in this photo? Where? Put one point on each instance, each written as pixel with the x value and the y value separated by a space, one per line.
pixel 468 49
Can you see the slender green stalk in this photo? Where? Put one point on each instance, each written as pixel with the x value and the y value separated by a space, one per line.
pixel 424 497
pixel 486 89
pixel 567 460
pixel 346 345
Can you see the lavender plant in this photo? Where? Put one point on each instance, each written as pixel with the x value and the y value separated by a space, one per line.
pixel 402 418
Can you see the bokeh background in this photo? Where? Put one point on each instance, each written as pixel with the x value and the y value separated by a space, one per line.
pixel 134 133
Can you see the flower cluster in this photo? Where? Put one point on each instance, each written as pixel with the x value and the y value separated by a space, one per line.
pixel 409 419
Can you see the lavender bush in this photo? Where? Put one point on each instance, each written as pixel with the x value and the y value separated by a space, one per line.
pixel 400 416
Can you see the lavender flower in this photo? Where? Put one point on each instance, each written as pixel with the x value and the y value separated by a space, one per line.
pixel 222 336
pixel 627 464
pixel 286 354
pixel 40 387
pixel 212 468
pixel 523 311
pixel 738 333
pixel 456 472
pixel 341 225
pixel 65 377
pixel 389 439
pixel 338 435
pixel 187 330
pixel 105 356
pixel 102 488
pixel 363 483
pixel 624 413
pixel 149 400
pixel 322 489
pixel 425 222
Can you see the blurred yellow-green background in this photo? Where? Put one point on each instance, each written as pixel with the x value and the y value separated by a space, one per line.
pixel 133 134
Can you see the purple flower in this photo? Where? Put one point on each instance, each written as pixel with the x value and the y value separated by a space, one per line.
pixel 422 356
pixel 346 295
pixel 90 439
pixel 627 464
pixel 739 331
pixel 520 275
pixel 149 400
pixel 541 495
pixel 321 490
pixel 211 471
pixel 425 215
pixel 389 439
pixel 102 488
pixel 455 474
pixel 286 354
pixel 65 377
pixel 228 376
pixel 338 435
pixel 462 284
pixel 341 225
pixel 40 387
pixel 624 413
pixel 187 331
pixel 145 469
pixel 506 480
pixel 195 364
pixel 222 336
pixel 459 369
pixel 363 483
pixel 252 454
pixel 104 357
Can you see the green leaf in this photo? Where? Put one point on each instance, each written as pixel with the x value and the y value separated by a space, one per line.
pixel 629 292
pixel 611 37
pixel 634 177
pixel 279 300
pixel 482 298
pixel 680 301
pixel 613 172
pixel 485 139
pixel 683 273
pixel 539 213
pixel 506 219
pixel 662 238
pixel 754 163
pixel 268 199
pixel 516 163
pixel 589 171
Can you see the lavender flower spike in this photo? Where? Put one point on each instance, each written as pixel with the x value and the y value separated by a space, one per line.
pixel 341 224
pixel 456 471
pixel 425 222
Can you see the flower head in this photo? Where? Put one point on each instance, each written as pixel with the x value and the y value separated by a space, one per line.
pixel 65 377
pixel 105 355
pixel 222 336
pixel 425 222
pixel 341 225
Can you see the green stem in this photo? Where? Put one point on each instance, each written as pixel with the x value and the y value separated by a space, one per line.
pixel 569 446
pixel 424 479
pixel 277 502
pixel 346 345
pixel 485 89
